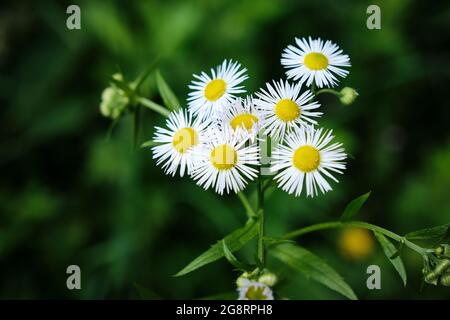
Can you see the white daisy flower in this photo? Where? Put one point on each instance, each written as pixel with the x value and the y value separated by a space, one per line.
pixel 283 108
pixel 178 141
pixel 242 114
pixel 306 158
pixel 314 60
pixel 253 290
pixel 225 161
pixel 210 93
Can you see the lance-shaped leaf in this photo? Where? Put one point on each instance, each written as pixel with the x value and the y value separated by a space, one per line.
pixel 354 206
pixel 390 251
pixel 234 241
pixel 313 267
pixel 233 260
pixel 434 233
pixel 169 98
pixel 150 143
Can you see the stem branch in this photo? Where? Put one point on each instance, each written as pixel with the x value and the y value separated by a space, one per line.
pixel 153 106
pixel 246 203
pixel 357 224
pixel 336 93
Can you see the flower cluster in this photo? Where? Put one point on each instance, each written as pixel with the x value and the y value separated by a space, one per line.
pixel 256 285
pixel 217 139
pixel 436 268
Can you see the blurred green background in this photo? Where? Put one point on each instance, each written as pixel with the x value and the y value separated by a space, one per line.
pixel 68 195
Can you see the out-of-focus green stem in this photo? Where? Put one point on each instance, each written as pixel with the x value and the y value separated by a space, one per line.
pixel 153 106
pixel 246 203
pixel 355 224
pixel 336 93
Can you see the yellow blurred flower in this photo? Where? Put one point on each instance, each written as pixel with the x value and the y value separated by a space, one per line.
pixel 356 243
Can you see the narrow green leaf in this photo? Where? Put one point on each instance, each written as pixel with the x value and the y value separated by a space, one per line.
pixel 140 80
pixel 313 267
pixel 233 260
pixel 354 206
pixel 390 251
pixel 169 98
pixel 150 143
pixel 398 251
pixel 433 233
pixel 145 293
pixel 234 240
pixel 271 241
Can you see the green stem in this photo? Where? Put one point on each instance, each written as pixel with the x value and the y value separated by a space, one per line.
pixel 314 88
pixel 246 203
pixel 356 224
pixel 336 93
pixel 153 106
pixel 260 210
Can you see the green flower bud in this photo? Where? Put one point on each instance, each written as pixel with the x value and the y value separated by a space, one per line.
pixel 268 279
pixel 442 266
pixel 114 100
pixel 242 280
pixel 348 96
pixel 445 279
pixel 443 250
pixel 430 277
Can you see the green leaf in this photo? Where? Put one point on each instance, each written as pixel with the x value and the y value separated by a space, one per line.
pixel 313 267
pixel 233 260
pixel 145 293
pixel 150 143
pixel 272 241
pixel 354 206
pixel 234 240
pixel 169 98
pixel 140 80
pixel 433 233
pixel 390 251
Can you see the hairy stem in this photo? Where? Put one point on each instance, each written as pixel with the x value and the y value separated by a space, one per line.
pixel 153 106
pixel 356 224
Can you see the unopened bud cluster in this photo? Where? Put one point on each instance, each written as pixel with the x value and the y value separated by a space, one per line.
pixel 256 285
pixel 114 100
pixel 437 266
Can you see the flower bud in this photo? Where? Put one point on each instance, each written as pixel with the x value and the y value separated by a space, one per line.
pixel 242 280
pixel 114 100
pixel 445 279
pixel 442 266
pixel 268 279
pixel 443 250
pixel 430 277
pixel 348 96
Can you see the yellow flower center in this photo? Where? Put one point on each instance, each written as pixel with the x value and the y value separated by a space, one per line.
pixel 356 243
pixel 244 120
pixel 215 89
pixel 223 157
pixel 315 61
pixel 287 110
pixel 306 158
pixel 255 293
pixel 184 139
